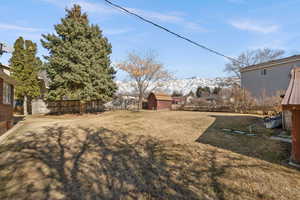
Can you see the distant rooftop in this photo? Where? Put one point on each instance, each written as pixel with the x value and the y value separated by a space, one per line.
pixel 162 96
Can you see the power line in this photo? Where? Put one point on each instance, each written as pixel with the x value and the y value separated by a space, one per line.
pixel 169 31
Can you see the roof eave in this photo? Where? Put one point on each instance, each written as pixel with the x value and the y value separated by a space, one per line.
pixel 7 78
pixel 5 67
pixel 270 64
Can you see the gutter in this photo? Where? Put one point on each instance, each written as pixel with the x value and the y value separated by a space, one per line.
pixel 266 66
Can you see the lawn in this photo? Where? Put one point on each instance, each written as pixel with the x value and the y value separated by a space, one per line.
pixel 144 155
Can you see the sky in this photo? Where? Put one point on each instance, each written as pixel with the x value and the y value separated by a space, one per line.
pixel 228 26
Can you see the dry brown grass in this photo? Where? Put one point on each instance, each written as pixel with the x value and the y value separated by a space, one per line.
pixel 139 155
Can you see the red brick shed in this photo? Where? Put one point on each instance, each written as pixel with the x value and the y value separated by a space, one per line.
pixel 159 101
pixel 6 101
pixel 291 102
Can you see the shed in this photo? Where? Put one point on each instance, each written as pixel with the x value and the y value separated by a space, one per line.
pixel 291 102
pixel 159 101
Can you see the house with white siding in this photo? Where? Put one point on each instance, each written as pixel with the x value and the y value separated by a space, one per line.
pixel 270 77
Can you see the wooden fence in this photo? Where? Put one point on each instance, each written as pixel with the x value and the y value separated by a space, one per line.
pixel 207 108
pixel 74 106
pixel 260 110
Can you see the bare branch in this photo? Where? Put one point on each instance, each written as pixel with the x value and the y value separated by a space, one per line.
pixel 146 72
pixel 252 58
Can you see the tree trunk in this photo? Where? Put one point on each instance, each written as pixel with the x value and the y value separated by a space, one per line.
pixel 25 105
pixel 140 101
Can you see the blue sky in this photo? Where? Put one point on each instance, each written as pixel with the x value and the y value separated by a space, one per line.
pixel 229 26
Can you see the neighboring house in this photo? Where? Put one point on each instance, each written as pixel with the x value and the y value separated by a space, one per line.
pixel 270 77
pixel 159 101
pixel 178 100
pixel 39 105
pixel 204 101
pixel 6 99
pixel 189 98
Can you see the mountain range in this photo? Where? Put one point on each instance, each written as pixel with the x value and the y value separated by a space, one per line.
pixel 183 86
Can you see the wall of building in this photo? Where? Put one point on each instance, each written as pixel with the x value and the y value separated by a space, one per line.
pixel 287 119
pixel 161 105
pixel 152 104
pixel 39 106
pixel 6 112
pixel 276 79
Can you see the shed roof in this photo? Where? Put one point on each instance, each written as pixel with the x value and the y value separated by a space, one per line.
pixel 162 96
pixel 292 96
pixel 272 63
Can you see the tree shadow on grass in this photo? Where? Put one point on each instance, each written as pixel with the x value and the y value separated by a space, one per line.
pixel 259 146
pixel 82 163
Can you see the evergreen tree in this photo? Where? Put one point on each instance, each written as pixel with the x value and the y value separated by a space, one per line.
pixel 207 90
pixel 191 93
pixel 176 94
pixel 199 91
pixel 25 67
pixel 79 60
pixel 216 90
pixel 202 91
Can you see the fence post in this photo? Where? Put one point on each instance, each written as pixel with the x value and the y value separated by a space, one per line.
pixel 60 107
pixel 81 107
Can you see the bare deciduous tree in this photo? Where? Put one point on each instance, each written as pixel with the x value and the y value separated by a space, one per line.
pixel 146 72
pixel 270 103
pixel 242 99
pixel 252 57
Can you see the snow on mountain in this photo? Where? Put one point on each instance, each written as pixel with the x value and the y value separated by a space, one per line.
pixel 183 86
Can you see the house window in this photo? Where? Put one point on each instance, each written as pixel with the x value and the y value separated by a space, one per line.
pixel 7 93
pixel 263 72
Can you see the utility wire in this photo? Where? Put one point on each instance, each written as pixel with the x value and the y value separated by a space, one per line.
pixel 169 31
